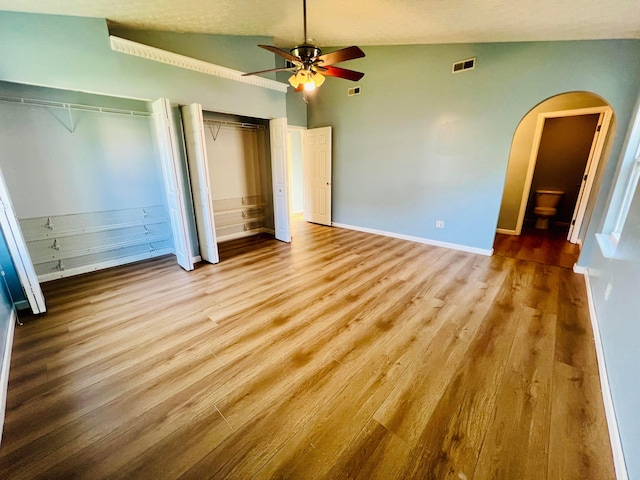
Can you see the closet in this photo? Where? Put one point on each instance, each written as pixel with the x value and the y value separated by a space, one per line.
pixel 239 175
pixel 232 180
pixel 83 179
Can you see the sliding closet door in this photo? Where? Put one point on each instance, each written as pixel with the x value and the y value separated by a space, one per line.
pixel 174 181
pixel 18 251
pixel 199 172
pixel 280 174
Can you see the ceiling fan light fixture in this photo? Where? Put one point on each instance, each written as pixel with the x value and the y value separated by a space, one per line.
pixel 307 61
pixel 308 79
pixel 294 81
pixel 317 78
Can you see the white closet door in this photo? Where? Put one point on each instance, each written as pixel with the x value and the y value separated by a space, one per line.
pixel 199 172
pixel 280 174
pixel 18 251
pixel 174 181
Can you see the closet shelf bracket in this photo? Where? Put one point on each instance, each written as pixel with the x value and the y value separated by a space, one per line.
pixel 215 135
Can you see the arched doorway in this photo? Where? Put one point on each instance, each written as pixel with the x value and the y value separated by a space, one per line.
pixel 559 145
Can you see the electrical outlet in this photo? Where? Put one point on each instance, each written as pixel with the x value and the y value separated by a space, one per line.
pixel 439 223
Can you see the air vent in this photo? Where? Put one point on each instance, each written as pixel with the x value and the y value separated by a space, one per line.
pixel 462 65
pixel 353 91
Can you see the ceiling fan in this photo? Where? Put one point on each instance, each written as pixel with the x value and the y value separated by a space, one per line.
pixel 309 64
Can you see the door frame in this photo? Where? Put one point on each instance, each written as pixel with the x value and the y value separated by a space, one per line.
pixel 595 156
pixel 18 251
pixel 291 129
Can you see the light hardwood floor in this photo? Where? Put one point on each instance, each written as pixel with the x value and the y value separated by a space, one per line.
pixel 342 355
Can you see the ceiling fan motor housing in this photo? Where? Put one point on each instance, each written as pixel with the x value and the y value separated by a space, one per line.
pixel 306 53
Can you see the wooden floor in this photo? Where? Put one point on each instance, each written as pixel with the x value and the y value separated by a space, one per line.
pixel 549 247
pixel 342 355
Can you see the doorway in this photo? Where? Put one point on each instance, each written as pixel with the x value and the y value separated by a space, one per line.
pixel 563 153
pixel 519 182
pixel 566 152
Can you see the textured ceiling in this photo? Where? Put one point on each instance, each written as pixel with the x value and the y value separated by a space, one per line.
pixel 370 22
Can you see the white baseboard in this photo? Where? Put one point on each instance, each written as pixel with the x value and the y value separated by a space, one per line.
pixel 4 371
pixel 610 413
pixel 196 259
pixel 426 241
pixel 578 269
pixel 506 232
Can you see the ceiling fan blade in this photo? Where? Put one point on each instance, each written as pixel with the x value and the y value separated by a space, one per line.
pixel 341 73
pixel 342 55
pixel 284 69
pixel 280 52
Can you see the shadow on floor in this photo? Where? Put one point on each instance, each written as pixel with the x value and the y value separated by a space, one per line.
pixel 549 247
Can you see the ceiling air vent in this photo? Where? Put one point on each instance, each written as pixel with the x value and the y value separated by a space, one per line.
pixel 462 65
pixel 353 91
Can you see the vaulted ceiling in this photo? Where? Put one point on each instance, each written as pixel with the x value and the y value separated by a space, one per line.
pixel 370 22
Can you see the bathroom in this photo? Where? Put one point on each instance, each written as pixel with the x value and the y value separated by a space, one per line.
pixel 560 167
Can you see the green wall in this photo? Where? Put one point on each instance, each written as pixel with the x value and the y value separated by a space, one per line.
pixel 421 144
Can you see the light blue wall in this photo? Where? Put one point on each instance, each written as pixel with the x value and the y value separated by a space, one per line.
pixel 11 277
pixel 73 53
pixel 618 315
pixel 6 307
pixel 420 144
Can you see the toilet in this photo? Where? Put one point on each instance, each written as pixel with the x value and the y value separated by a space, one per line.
pixel 546 206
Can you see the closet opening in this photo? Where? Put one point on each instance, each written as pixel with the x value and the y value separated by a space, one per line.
pixel 239 179
pixel 240 175
pixel 83 185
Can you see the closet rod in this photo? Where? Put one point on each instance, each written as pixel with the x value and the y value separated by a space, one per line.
pixel 226 123
pixel 73 106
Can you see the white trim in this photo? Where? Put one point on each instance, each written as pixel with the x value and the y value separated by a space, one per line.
pixel 593 162
pixel 158 55
pixel 506 231
pixel 196 259
pixel 579 270
pixel 47 277
pixel 410 238
pixel 4 372
pixel 609 409
pixel 535 147
pixel 608 244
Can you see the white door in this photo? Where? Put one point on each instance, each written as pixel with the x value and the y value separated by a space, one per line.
pixel 589 176
pixel 18 251
pixel 316 175
pixel 200 186
pixel 280 177
pixel 174 181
